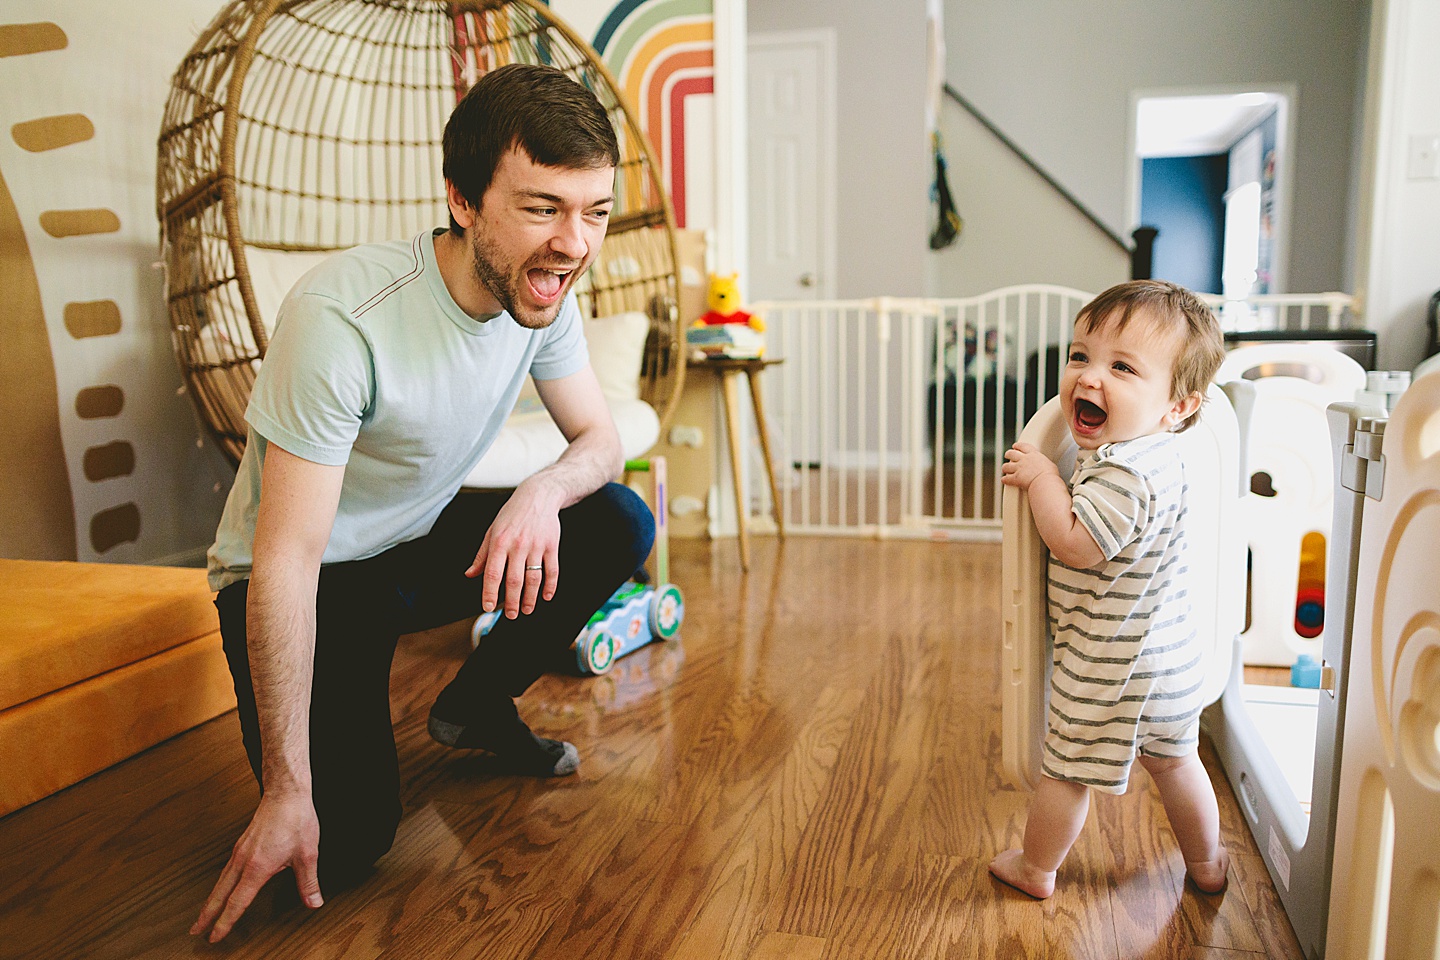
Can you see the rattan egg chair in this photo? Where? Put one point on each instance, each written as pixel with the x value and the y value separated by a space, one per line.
pixel 295 127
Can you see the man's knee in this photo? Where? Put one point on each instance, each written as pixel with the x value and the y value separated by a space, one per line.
pixel 625 521
pixel 353 837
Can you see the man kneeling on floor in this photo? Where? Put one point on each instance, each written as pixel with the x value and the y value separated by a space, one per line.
pixel 392 368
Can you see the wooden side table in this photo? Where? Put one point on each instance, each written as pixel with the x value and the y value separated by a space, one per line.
pixel 729 371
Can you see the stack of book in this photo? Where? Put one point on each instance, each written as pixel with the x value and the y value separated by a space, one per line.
pixel 733 340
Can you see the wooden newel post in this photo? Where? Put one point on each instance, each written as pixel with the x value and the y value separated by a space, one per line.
pixel 1142 254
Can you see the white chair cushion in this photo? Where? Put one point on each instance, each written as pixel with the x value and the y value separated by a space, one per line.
pixel 530 441
pixel 617 347
pixel 274 272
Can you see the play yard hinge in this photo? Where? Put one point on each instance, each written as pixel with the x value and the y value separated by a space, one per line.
pixel 1362 467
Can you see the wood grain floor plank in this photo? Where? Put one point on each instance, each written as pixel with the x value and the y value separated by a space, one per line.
pixel 838 830
pixel 969 802
pixel 1008 925
pixel 69 859
pixel 1277 937
pixel 891 856
pixel 1080 915
pixel 1140 855
pixel 940 909
pixel 867 922
pixel 708 758
pixel 787 946
pixel 748 835
pixel 1221 921
pixel 595 926
pixel 729 913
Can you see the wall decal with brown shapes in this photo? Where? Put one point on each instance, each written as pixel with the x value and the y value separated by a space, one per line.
pixel 52 133
pixel 111 460
pixel 93 318
pixel 37 509
pixel 79 223
pixel 78 122
pixel 110 528
pixel 94 403
pixel 17 39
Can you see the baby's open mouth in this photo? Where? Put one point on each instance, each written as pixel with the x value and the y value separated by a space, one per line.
pixel 1088 414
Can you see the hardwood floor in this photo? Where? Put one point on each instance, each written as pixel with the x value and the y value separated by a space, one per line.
pixel 811 773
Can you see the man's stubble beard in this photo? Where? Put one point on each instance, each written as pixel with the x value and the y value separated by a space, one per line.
pixel 502 287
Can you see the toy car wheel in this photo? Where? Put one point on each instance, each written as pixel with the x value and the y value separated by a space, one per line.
pixel 667 611
pixel 596 651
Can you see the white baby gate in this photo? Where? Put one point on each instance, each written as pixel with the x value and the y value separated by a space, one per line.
pixel 890 417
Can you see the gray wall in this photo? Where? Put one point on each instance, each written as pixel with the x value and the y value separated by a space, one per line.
pixel 1057 77
pixel 882 171
pixel 1017 228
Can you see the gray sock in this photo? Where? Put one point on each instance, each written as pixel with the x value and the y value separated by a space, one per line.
pixel 520 751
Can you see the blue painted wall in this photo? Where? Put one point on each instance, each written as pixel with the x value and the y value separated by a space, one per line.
pixel 1184 198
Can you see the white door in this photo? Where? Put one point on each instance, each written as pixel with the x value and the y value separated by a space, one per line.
pixel 791 112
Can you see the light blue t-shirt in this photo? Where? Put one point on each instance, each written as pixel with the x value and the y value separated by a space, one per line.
pixel 373 366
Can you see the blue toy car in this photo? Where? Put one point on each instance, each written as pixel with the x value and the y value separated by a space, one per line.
pixel 636 614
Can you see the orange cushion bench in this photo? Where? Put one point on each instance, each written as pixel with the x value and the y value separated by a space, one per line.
pixel 97 663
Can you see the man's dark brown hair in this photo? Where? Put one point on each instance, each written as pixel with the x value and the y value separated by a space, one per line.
pixel 534 108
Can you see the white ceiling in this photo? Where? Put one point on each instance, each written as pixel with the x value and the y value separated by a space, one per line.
pixel 1197 126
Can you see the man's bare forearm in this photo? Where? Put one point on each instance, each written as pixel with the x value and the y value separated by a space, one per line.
pixel 591 460
pixel 280 634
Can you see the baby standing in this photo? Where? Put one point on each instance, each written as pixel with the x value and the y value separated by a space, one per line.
pixel 1127 668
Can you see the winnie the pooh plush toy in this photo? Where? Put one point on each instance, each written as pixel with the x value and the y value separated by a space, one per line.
pixel 723 299
pixel 725 330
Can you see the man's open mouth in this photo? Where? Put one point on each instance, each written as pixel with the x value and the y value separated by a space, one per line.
pixel 547 282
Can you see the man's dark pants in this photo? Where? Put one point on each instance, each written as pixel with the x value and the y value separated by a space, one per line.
pixel 363 607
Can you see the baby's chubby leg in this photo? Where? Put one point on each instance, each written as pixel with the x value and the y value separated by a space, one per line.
pixel 1057 812
pixel 1189 801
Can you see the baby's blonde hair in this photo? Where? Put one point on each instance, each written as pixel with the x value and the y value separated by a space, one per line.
pixel 1167 306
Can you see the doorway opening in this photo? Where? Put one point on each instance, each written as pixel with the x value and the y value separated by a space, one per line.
pixel 1211 172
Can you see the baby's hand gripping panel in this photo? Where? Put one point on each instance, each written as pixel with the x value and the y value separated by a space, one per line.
pixel 1211 452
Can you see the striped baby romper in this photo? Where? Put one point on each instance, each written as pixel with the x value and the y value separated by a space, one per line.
pixel 1127 670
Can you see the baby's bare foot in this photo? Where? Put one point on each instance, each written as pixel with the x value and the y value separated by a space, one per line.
pixel 1010 867
pixel 1209 876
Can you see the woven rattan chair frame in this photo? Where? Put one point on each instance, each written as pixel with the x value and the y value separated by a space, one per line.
pixel 315 125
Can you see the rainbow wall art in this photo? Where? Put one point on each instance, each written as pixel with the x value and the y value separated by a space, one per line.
pixel 662 52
